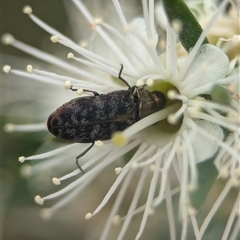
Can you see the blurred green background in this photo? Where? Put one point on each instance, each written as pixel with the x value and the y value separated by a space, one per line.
pixel 19 214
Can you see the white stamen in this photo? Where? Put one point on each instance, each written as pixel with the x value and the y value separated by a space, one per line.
pixel 120 13
pixel 150 198
pixel 133 203
pixel 35 77
pixel 52 59
pixel 174 95
pixel 25 127
pixel 200 115
pixel 195 49
pixel 69 175
pixel 214 208
pixel 145 122
pixel 52 153
pixel 112 45
pixel 117 203
pixel 160 153
pixel 174 117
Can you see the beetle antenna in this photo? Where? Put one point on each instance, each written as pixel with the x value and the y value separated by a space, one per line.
pixel 120 77
pixel 81 155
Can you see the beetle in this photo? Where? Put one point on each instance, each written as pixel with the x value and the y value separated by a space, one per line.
pixel 97 117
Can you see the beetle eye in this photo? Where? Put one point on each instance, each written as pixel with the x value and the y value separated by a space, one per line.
pixel 160 99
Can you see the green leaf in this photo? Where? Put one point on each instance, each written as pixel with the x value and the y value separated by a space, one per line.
pixel 220 94
pixel 190 29
pixel 207 176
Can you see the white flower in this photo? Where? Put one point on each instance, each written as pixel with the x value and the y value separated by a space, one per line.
pixel 168 144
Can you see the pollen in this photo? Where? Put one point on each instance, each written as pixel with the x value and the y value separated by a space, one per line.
pixel 235 182
pixel 231 88
pixel 88 216
pixel 134 165
pixel 192 187
pixel 6 68
pixel 223 173
pixel 116 220
pixel 21 159
pixel 172 119
pixel 118 170
pixel 39 200
pixel 26 171
pixel 128 29
pixel 30 69
pixel 46 214
pixel 192 211
pixel 27 10
pixel 176 25
pixel 171 94
pixel 99 143
pixel 84 44
pixel 151 211
pixel 56 181
pixel 98 21
pixel 7 39
pixel 9 127
pixel 152 167
pixel 80 91
pixel 70 55
pixel 119 139
pixel 67 84
pixel 233 117
pixel 55 39
pixel 139 83
pixel 149 82
pixel 151 43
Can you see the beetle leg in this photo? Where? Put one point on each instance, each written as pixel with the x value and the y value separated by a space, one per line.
pixel 94 92
pixel 81 155
pixel 120 77
pixel 85 90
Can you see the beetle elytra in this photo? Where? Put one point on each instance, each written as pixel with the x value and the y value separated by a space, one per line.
pixel 97 117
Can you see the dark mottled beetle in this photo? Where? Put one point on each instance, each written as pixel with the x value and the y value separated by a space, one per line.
pixel 88 119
